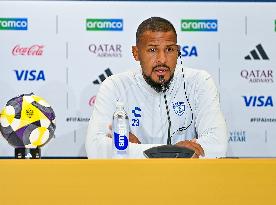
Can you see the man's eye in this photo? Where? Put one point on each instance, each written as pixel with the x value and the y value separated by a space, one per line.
pixel 152 50
pixel 170 49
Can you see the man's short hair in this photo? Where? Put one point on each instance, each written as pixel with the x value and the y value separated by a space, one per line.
pixel 154 24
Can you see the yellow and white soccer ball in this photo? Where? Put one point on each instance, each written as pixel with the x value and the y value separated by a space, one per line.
pixel 27 121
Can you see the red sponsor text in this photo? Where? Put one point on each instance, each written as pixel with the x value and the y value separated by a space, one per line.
pixel 34 50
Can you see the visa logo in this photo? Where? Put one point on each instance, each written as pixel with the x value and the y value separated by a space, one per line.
pixel 29 75
pixel 193 25
pixel 258 101
pixel 13 24
pixel 189 51
pixel 104 24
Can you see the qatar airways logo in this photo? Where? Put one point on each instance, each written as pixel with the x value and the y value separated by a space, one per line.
pixel 34 50
pixel 106 50
pixel 257 75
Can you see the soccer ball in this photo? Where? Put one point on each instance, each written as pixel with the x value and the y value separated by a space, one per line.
pixel 27 121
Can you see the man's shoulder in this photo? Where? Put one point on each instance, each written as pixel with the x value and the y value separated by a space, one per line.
pixel 198 80
pixel 129 74
pixel 119 79
pixel 195 74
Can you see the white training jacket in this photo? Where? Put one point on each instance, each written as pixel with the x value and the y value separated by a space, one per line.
pixel 194 113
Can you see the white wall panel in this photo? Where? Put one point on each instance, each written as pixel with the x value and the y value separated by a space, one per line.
pixel 70 68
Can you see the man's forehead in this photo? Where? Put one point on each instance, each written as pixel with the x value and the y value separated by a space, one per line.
pixel 158 38
pixel 165 44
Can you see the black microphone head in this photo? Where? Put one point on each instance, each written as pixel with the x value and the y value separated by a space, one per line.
pixel 161 79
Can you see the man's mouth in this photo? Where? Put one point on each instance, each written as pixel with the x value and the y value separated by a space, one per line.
pixel 161 70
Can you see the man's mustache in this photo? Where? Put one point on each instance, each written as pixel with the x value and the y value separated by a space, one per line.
pixel 161 66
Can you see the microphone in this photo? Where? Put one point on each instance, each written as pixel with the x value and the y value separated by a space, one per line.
pixel 162 81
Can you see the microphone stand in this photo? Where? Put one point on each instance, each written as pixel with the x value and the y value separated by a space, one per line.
pixel 162 81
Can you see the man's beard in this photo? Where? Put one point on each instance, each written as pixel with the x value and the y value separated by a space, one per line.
pixel 158 87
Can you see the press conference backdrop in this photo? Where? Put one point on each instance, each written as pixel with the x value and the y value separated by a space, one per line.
pixel 63 51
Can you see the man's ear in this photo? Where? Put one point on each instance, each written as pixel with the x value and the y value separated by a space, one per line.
pixel 135 53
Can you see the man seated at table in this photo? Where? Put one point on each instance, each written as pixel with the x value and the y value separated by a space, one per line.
pixel 159 98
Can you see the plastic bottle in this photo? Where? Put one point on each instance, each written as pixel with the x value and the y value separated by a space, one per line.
pixel 120 126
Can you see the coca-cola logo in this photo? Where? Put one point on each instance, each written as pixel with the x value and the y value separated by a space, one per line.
pixel 34 50
pixel 92 101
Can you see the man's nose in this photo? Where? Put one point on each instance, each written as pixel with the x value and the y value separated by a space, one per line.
pixel 162 57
